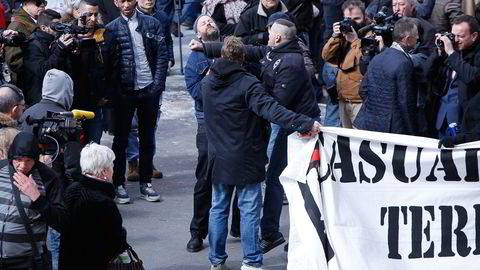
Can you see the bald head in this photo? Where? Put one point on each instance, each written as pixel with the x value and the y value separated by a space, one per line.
pixel 281 31
pixel 11 99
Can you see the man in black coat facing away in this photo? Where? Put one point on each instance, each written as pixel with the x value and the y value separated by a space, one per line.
pixel 43 53
pixel 389 93
pixel 233 101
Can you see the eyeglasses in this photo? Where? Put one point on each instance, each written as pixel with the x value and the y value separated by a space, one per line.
pixel 40 2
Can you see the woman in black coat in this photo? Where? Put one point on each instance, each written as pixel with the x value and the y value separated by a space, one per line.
pixel 94 235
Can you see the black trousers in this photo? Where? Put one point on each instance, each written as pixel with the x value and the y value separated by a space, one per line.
pixel 202 194
pixel 146 105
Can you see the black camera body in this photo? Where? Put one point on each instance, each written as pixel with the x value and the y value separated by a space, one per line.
pixel 54 131
pixel 449 35
pixel 346 25
pixel 74 30
pixel 14 41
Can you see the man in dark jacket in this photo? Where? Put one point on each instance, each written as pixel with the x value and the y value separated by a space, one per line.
pixel 284 76
pixel 41 54
pixel 23 173
pixel 454 71
pixel 389 93
pixel 142 69
pixel 23 21
pixel 93 69
pixel 252 27
pixel 233 100
pixel 195 70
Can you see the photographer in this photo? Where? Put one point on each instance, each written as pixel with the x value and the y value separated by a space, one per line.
pixel 43 53
pixel 389 91
pixel 454 70
pixel 92 61
pixel 343 49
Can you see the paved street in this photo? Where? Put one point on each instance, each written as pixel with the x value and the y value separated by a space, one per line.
pixel 159 231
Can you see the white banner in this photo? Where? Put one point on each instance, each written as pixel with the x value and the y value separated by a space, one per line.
pixel 363 200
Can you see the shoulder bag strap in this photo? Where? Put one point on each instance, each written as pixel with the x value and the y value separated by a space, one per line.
pixel 23 215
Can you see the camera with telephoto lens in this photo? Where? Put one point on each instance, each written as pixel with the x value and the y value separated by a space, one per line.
pixel 55 130
pixel 13 41
pixel 75 30
pixel 440 43
pixel 346 25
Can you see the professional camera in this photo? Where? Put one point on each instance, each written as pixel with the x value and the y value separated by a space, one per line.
pixel 346 25
pixel 75 30
pixel 383 24
pixel 440 43
pixel 58 128
pixel 13 41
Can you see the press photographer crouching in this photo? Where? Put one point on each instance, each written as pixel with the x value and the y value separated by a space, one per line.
pixel 343 49
pixel 454 71
pixel 31 199
pixel 42 53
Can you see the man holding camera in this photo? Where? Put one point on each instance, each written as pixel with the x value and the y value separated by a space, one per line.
pixel 454 70
pixel 43 53
pixel 92 58
pixel 389 92
pixel 344 50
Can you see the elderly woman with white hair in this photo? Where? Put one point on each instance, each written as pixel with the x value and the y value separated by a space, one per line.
pixel 94 235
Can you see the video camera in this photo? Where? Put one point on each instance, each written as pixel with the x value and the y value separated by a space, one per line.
pixel 75 30
pixel 439 43
pixel 57 128
pixel 14 41
pixel 382 23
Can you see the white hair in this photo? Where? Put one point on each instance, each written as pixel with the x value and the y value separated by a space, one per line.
pixel 95 158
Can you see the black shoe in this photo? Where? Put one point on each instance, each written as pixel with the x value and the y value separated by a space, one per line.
pixel 195 244
pixel 285 248
pixel 271 242
pixel 174 30
pixel 234 234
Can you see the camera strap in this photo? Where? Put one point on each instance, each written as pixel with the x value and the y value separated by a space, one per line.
pixel 23 215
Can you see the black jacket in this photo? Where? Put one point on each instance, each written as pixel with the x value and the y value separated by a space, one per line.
pixel 155 49
pixel 237 146
pixel 50 205
pixel 93 71
pixel 252 27
pixel 283 74
pixel 389 95
pixel 40 54
pixel 438 70
pixel 94 234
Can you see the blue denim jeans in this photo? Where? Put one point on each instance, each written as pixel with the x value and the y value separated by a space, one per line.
pixel 274 128
pixel 190 11
pixel 332 114
pixel 133 142
pixel 250 205
pixel 53 244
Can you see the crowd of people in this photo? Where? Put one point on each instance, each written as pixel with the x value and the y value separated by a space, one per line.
pixel 257 73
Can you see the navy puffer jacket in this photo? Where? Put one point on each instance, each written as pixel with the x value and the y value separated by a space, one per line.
pixel 155 50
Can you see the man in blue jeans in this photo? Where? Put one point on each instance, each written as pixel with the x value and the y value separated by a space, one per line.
pixel 234 103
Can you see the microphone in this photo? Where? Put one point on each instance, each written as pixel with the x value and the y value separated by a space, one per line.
pixel 78 114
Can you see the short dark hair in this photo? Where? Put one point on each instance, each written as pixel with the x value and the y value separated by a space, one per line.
pixel 404 27
pixel 471 21
pixel 10 95
pixel 47 16
pixel 87 2
pixel 354 3
pixel 233 49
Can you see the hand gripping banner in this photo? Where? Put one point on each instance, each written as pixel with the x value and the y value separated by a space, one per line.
pixel 363 200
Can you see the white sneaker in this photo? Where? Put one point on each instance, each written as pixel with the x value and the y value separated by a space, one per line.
pixel 249 267
pixel 219 267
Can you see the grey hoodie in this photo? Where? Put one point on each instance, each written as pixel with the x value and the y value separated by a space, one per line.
pixel 58 87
